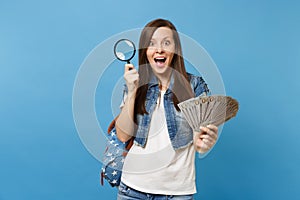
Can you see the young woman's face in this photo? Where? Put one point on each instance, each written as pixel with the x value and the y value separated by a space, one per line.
pixel 161 50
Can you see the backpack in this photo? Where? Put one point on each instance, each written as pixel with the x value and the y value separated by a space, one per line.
pixel 114 156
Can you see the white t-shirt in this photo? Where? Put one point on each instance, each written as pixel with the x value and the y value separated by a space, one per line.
pixel 158 168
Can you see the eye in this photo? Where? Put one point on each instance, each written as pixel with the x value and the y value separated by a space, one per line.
pixel 167 43
pixel 151 44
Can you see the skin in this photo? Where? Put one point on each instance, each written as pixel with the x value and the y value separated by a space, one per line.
pixel 161 47
pixel 206 139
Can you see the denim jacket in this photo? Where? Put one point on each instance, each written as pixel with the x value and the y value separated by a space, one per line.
pixel 180 132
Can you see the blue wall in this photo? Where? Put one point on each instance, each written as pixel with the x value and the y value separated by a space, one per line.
pixel 255 44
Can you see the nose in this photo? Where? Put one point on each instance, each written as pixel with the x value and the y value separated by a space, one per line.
pixel 159 49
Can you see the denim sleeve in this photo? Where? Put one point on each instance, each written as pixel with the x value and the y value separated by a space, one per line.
pixel 200 86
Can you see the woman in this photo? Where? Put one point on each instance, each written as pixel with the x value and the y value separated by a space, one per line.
pixel 160 164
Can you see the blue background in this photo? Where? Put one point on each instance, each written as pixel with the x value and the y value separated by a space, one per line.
pixel 255 44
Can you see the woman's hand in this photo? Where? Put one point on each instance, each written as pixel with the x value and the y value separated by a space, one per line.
pixel 206 138
pixel 131 77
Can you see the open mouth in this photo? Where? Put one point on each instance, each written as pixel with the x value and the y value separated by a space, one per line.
pixel 160 60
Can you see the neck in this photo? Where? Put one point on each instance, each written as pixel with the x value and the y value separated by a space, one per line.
pixel 164 81
pixel 163 78
pixel 163 87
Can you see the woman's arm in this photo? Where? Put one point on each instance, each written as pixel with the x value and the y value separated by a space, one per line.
pixel 125 123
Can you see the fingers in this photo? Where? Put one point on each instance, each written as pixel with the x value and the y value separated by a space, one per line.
pixel 210 130
pixel 213 127
pixel 202 146
pixel 128 67
pixel 130 73
pixel 206 139
pixel 131 77
pixel 209 143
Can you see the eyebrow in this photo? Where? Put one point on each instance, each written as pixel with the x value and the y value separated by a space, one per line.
pixel 167 37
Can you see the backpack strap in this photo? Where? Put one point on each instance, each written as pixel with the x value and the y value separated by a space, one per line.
pixel 128 146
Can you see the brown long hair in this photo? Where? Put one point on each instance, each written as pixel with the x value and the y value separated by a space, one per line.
pixel 181 89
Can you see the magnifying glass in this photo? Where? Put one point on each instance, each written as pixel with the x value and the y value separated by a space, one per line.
pixel 124 50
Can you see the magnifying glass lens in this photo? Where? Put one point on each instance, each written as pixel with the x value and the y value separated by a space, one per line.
pixel 124 50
